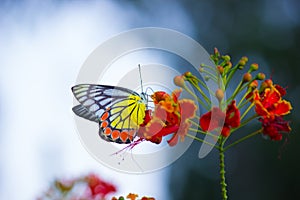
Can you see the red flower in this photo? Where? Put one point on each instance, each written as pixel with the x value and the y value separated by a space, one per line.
pixel 99 187
pixel 208 123
pixel 155 130
pixel 268 102
pixel 274 127
pixel 170 117
pixel 226 121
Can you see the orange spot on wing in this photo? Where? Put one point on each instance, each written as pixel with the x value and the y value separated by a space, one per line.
pixel 107 131
pixel 130 137
pixel 104 124
pixel 115 134
pixel 104 116
pixel 131 134
pixel 124 135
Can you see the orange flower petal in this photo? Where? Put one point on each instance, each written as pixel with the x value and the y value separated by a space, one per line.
pixel 183 130
pixel 167 105
pixel 187 109
pixel 260 109
pixel 283 108
pixel 132 196
pixel 270 97
pixel 159 96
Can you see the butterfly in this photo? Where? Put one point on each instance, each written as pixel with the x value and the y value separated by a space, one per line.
pixel 119 111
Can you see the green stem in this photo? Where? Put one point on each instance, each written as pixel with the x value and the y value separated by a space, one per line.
pixel 200 131
pixel 221 82
pixel 208 66
pixel 222 172
pixel 201 92
pixel 236 91
pixel 203 132
pixel 211 75
pixel 246 102
pixel 246 111
pixel 243 98
pixel 232 71
pixel 200 140
pixel 242 85
pixel 196 97
pixel 243 138
pixel 204 85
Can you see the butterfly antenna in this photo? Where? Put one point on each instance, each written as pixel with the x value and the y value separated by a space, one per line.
pixel 149 88
pixel 141 78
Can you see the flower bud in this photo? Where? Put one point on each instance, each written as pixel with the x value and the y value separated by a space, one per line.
pixel 253 84
pixel 219 94
pixel 245 58
pixel 260 76
pixel 247 77
pixel 226 57
pixel 201 69
pixel 220 69
pixel 179 81
pixel 269 82
pixel 228 64
pixel 243 61
pixel 188 74
pixel 225 131
pixel 253 67
pixel 266 84
pixel 216 52
pixel 241 65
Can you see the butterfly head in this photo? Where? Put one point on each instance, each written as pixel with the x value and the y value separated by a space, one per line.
pixel 144 98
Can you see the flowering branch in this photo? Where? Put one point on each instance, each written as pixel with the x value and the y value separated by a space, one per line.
pixel 266 100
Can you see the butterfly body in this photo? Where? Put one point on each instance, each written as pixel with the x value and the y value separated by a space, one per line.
pixel 119 111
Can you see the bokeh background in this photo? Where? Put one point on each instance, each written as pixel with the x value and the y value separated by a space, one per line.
pixel 44 43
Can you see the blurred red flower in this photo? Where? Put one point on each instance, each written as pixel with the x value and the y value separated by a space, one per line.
pixel 99 187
